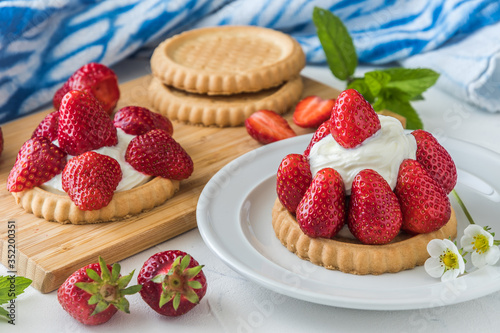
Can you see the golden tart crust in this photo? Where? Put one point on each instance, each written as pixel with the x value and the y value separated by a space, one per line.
pixel 60 208
pixel 351 256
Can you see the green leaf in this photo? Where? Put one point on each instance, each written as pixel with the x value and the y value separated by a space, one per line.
pixel 4 313
pixel 105 273
pixel 89 287
pixel 124 280
pixel 411 82
pixel 93 275
pixel 361 86
pixel 336 42
pixel 165 297
pixel 376 81
pixel 9 291
pixel 193 271
pixel 185 262
pixel 131 290
pixel 177 301
pixel 403 108
pixel 194 284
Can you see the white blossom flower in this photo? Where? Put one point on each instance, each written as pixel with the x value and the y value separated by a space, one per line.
pixel 445 262
pixel 480 244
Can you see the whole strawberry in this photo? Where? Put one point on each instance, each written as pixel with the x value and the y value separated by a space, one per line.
pixel 322 131
pixel 95 79
pixel 374 213
pixel 267 126
pixel 38 161
pixel 322 211
pixel 137 120
pixel 172 282
pixel 436 160
pixel 293 180
pixel 48 126
pixel 156 153
pixel 90 180
pixel 94 293
pixel 424 204
pixel 312 111
pixel 83 124
pixel 353 119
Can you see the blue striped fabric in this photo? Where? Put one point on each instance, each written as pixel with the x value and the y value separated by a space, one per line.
pixel 42 42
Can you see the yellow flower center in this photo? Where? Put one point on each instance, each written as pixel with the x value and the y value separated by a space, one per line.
pixel 449 259
pixel 481 244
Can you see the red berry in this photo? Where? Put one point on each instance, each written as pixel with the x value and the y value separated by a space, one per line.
pixel 312 111
pixel 424 204
pixel 48 126
pixel 136 120
pixel 374 212
pixel 436 160
pixel 322 131
pixel 156 153
pixel 90 180
pixel 293 180
pixel 353 119
pixel 38 161
pixel 172 282
pixel 83 124
pixel 267 126
pixel 322 211
pixel 95 79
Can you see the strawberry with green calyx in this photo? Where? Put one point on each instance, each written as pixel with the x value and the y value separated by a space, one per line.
pixel 322 210
pixel 424 204
pixel 374 212
pixel 312 111
pixel 436 160
pixel 172 282
pixel 293 180
pixel 83 124
pixel 267 126
pixel 94 293
pixel 322 131
pixel 137 120
pixel 48 126
pixel 38 161
pixel 353 119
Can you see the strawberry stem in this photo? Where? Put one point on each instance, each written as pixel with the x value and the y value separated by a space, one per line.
pixel 462 205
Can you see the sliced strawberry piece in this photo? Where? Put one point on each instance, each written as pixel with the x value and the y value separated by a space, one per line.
pixel 436 160
pixel 312 111
pixel 322 210
pixel 95 79
pixel 83 124
pixel 353 119
pixel 156 153
pixel 374 212
pixel 90 180
pixel 424 204
pixel 48 126
pixel 137 120
pixel 267 126
pixel 293 180
pixel 38 161
pixel 322 131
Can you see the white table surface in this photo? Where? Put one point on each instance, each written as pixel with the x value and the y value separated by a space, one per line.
pixel 235 304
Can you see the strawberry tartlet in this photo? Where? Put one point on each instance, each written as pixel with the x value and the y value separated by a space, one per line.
pixel 365 197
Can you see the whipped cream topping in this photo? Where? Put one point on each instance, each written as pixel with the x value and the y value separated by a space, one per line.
pixel 383 152
pixel 130 177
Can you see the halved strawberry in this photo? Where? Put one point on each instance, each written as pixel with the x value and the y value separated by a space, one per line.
pixel 424 204
pixel 436 160
pixel 353 119
pixel 374 212
pixel 90 180
pixel 95 79
pixel 156 153
pixel 137 120
pixel 83 124
pixel 48 126
pixel 322 211
pixel 293 180
pixel 312 111
pixel 267 126
pixel 38 161
pixel 322 131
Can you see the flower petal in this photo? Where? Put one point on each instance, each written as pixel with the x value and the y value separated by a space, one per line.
pixel 433 267
pixel 436 247
pixel 492 256
pixel 478 259
pixel 449 275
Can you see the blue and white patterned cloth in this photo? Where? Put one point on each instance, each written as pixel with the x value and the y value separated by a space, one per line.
pixel 42 42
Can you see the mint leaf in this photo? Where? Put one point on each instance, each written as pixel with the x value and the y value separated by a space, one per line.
pixel 376 81
pixel 400 107
pixel 361 86
pixel 411 82
pixel 336 42
pixel 8 292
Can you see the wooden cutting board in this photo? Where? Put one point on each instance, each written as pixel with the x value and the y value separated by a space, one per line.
pixel 48 252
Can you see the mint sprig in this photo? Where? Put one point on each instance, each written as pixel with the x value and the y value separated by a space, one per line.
pixel 10 288
pixel 390 89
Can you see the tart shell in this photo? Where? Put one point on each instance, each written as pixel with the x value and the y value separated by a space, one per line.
pixel 60 208
pixel 350 255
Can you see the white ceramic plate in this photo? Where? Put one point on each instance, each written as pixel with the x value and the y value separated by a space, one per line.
pixel 234 219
